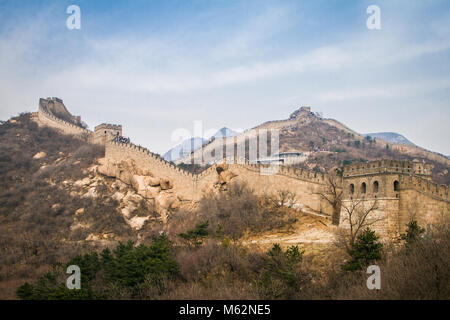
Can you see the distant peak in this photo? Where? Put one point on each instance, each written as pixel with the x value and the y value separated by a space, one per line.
pixel 303 110
pixel 224 133
pixel 392 137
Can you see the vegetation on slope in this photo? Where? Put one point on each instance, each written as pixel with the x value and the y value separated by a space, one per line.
pixel 222 270
pixel 36 209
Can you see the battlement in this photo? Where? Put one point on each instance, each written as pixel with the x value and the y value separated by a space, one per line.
pixel 388 166
pixel 108 127
pixel 55 99
pixel 127 150
pixel 425 186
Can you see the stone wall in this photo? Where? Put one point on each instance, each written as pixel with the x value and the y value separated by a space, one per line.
pixel 304 184
pixel 47 118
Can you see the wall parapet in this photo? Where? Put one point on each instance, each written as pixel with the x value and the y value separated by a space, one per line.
pixel 46 117
pixel 299 174
pixel 387 166
pixel 147 153
pixel 425 186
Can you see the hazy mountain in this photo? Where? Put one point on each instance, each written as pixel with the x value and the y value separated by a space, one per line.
pixel 183 148
pixel 188 145
pixel 225 132
pixel 390 137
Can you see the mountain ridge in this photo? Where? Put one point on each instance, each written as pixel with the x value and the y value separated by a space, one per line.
pixel 392 137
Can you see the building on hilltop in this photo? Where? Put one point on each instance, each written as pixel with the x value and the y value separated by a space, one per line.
pixel 285 158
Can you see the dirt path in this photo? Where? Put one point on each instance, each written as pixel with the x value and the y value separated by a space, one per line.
pixel 308 229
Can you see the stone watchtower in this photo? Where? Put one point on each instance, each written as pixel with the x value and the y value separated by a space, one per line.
pixel 105 132
pixel 382 182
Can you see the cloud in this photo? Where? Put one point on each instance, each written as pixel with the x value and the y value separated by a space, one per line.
pixel 386 91
pixel 167 77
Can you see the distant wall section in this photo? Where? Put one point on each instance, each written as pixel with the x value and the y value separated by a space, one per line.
pixel 47 117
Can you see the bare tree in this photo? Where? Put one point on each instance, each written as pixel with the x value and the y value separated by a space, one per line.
pixel 332 193
pixel 357 215
pixel 286 198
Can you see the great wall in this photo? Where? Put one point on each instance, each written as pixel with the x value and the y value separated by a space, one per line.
pixel 400 189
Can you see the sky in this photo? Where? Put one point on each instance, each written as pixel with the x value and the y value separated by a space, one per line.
pixel 158 67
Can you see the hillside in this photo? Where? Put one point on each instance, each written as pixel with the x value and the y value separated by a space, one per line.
pixel 330 144
pixel 389 137
pixel 54 204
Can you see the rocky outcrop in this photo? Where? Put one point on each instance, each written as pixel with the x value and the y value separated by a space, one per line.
pixel 156 190
pixel 224 176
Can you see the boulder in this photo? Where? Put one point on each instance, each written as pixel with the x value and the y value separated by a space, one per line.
pixel 146 186
pixel 226 176
pixel 221 167
pixel 119 185
pixel 146 172
pixel 153 182
pixel 165 184
pixel 118 196
pixel 137 222
pixel 165 201
pixel 107 167
pixel 126 176
pixel 39 155
pixel 82 183
pixel 151 192
pixel 139 184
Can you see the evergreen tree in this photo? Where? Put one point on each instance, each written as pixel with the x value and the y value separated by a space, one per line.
pixel 196 235
pixel 364 250
pixel 413 233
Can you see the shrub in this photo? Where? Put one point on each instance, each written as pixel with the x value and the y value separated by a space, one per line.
pixel 126 267
pixel 282 278
pixel 196 236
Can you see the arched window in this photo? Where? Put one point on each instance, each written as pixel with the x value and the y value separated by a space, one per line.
pixel 363 187
pixel 375 187
pixel 352 189
pixel 396 186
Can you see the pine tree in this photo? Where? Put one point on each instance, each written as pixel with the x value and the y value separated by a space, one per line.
pixel 413 233
pixel 365 250
pixel 196 235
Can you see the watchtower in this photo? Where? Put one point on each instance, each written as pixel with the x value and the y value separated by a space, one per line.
pixel 106 132
pixel 381 183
